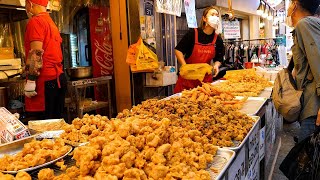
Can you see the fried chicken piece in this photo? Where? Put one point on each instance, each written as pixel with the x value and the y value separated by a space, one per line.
pixel 156 171
pixel 61 165
pixel 102 175
pixel 134 174
pixel 6 176
pixel 85 178
pixel 73 172
pixel 46 174
pixel 62 177
pixel 116 170
pixel 128 159
pixel 158 158
pixel 22 175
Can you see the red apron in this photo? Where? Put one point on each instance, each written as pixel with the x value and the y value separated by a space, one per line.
pixel 202 53
pixel 51 69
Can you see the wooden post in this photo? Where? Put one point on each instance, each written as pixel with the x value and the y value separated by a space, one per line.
pixel 120 46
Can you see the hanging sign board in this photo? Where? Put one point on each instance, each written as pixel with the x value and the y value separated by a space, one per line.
pixel 231 29
pixel 148 8
pixel 172 7
pixel 190 9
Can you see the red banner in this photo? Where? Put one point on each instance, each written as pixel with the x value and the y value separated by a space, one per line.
pixel 101 42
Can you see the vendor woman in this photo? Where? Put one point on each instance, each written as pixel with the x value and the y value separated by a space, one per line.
pixel 201 45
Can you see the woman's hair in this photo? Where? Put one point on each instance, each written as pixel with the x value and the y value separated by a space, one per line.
pixel 309 5
pixel 204 14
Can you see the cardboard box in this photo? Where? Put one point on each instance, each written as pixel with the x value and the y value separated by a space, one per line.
pixel 163 78
pixel 10 127
pixel 9 64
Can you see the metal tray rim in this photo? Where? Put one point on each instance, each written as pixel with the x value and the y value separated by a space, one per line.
pixel 223 170
pixel 247 136
pixel 40 166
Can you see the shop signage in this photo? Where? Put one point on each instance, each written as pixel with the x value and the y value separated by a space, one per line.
pixel 172 7
pixel 262 143
pixel 148 8
pixel 190 9
pixel 231 29
pixel 237 170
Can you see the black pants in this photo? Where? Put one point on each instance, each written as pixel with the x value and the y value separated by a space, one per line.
pixel 55 97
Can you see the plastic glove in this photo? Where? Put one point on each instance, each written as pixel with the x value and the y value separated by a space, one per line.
pixel 30 89
pixel 216 69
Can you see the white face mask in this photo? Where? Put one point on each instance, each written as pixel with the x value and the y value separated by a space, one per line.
pixel 213 21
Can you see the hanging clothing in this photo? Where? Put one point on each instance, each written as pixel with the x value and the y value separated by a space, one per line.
pixel 201 53
pixel 42 28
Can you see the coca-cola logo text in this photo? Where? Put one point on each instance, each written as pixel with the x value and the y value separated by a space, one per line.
pixel 103 56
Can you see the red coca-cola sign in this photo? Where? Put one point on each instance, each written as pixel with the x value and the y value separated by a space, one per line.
pixel 101 42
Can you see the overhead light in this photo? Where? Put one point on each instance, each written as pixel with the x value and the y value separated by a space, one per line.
pixel 265 13
pixel 21 9
pixel 260 9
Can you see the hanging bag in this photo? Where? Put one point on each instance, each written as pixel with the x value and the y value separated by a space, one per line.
pixel 286 97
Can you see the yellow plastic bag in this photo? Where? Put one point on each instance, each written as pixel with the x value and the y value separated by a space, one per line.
pixel 140 58
pixel 146 59
pixel 195 71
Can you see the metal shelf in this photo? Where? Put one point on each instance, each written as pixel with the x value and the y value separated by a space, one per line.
pixel 94 106
pixel 79 86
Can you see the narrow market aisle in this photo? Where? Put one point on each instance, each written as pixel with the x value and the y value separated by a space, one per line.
pixel 287 142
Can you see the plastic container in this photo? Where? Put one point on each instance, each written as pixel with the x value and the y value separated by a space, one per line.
pixel 248 65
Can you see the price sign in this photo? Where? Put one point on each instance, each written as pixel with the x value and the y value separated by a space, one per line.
pixel 253 172
pixel 231 29
pixel 262 143
pixel 237 170
pixel 254 146
pixel 148 8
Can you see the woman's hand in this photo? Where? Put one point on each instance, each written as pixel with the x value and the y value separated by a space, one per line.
pixel 318 118
pixel 216 66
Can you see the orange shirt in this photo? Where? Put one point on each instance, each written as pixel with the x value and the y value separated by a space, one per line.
pixel 42 28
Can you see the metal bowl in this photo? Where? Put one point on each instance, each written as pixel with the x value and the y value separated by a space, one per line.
pixel 79 72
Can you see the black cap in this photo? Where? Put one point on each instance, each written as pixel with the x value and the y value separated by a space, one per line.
pixel 310 5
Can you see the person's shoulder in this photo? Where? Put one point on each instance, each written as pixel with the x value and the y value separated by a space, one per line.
pixel 36 21
pixel 309 21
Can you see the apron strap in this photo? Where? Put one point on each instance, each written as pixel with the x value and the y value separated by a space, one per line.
pixel 196 35
pixel 215 38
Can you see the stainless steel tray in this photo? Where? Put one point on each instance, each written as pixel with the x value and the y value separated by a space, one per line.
pixel 172 96
pixel 75 144
pixel 39 166
pixel 46 125
pixel 50 134
pixel 252 105
pixel 14 147
pixel 239 145
pixel 221 162
pixel 266 93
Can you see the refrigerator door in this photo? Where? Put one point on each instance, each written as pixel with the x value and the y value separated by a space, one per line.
pixel 84 55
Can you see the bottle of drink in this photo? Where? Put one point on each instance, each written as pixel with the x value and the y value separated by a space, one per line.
pixel 254 58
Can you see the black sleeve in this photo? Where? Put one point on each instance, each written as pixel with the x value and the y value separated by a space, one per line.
pixel 219 50
pixel 186 43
